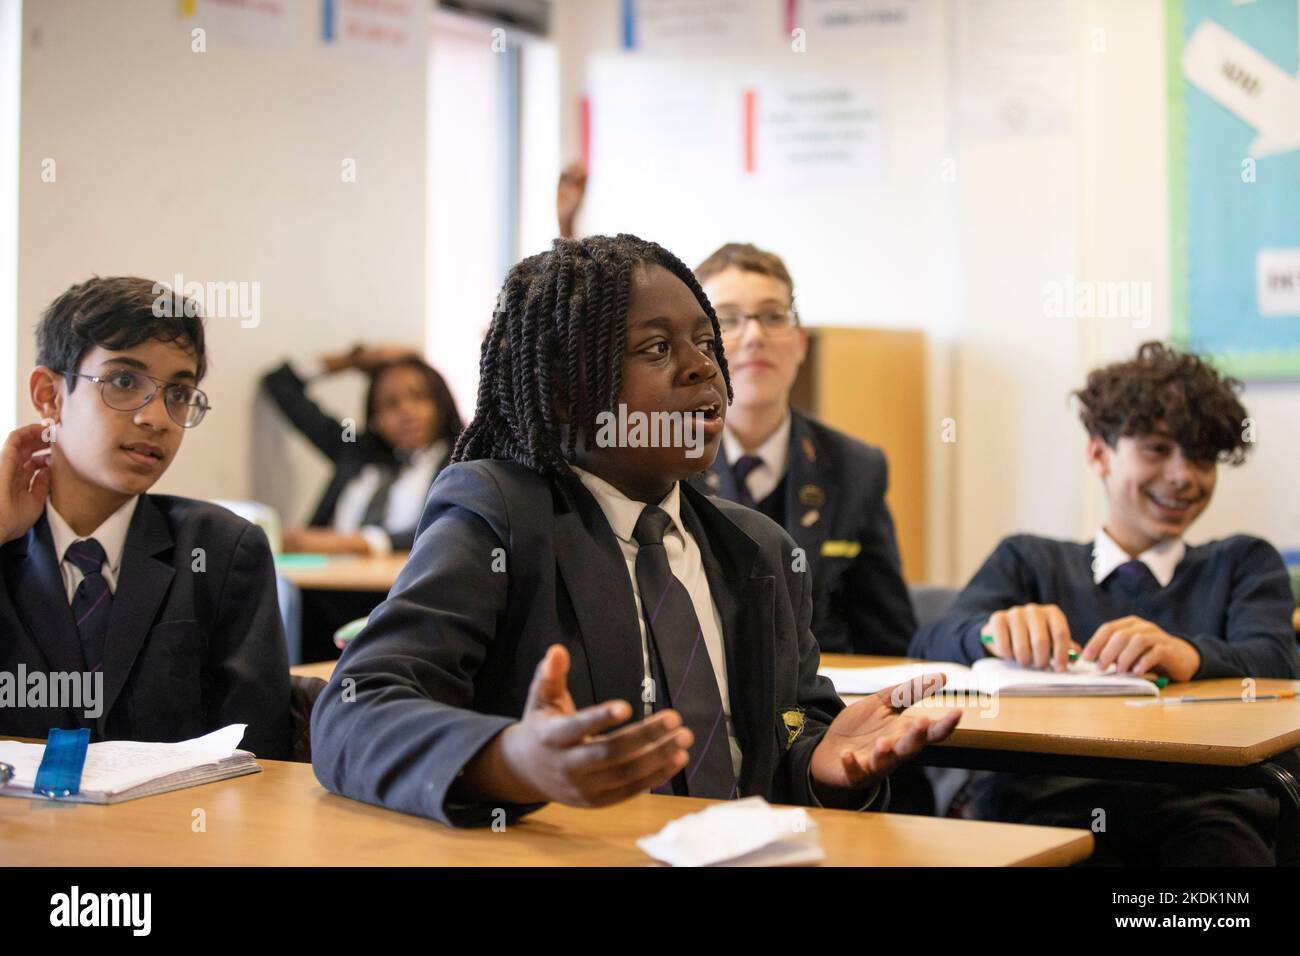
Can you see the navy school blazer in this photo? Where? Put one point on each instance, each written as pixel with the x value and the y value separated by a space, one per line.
pixel 188 651
pixel 835 500
pixel 289 393
pixel 508 561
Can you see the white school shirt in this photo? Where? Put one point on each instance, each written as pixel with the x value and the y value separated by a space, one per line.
pixel 685 562
pixel 762 481
pixel 111 536
pixel 1162 559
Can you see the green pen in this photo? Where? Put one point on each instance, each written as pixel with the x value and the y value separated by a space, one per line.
pixel 1160 682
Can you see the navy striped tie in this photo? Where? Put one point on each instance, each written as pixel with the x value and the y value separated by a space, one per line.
pixel 684 674
pixel 742 469
pixel 93 601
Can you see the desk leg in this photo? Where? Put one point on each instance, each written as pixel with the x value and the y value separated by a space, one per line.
pixel 1280 776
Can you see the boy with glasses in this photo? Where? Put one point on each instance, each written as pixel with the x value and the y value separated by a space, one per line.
pixel 167 605
pixel 826 489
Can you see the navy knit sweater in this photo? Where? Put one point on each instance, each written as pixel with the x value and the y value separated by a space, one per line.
pixel 1231 598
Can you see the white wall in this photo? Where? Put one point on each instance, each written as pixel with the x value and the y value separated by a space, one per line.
pixel 967 262
pixel 225 166
pixel 10 55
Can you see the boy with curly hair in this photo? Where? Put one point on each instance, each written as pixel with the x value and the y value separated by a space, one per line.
pixel 1141 598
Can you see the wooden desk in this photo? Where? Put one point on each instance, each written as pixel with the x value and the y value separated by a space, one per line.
pixel 346 573
pixel 283 817
pixel 1213 745
pixel 321 669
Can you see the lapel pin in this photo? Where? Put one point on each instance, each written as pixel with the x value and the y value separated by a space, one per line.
pixel 810 518
pixel 812 496
pixel 809 449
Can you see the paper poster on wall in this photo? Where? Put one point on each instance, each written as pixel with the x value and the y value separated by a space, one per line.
pixel 859 22
pixel 1234 153
pixel 247 23
pixel 667 26
pixel 1014 67
pixel 389 29
pixel 811 132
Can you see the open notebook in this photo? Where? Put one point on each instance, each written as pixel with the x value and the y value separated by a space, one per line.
pixel 996 676
pixel 118 770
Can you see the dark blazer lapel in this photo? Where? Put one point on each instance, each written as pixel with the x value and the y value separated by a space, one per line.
pixel 720 479
pixel 42 602
pixel 811 493
pixel 595 574
pixel 745 603
pixel 142 583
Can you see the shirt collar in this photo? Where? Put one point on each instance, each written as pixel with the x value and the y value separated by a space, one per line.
pixel 111 535
pixel 772 452
pixel 622 512
pixel 1162 559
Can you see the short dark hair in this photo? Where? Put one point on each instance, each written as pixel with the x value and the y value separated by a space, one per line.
pixel 554 350
pixel 1163 390
pixel 748 258
pixel 116 312
pixel 448 414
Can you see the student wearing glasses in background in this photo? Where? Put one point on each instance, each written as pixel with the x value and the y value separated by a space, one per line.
pixel 172 600
pixel 825 489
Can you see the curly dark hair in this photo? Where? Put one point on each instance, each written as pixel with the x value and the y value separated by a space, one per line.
pixel 1165 391
pixel 554 351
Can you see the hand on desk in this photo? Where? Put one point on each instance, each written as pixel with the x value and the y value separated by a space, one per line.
pixel 1038 635
pixel 1136 645
pixel 871 738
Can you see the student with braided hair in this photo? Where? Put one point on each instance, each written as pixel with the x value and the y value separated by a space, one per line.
pixel 576 623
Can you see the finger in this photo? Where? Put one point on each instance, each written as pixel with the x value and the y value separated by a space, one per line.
pixel 997 626
pixel 649 782
pixel 1061 642
pixel 548 687
pixel 1113 647
pixel 626 742
pixel 567 730
pixel 1138 644
pixel 650 760
pixel 1098 641
pixel 1021 650
pixel 1040 636
pixel 1152 659
pixel 902 696
pixel 942 728
pixel 867 762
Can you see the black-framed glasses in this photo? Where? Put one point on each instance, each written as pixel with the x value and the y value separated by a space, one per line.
pixel 127 390
pixel 773 322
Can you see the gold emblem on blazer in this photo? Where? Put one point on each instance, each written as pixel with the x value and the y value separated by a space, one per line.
pixel 793 720
pixel 812 496
pixel 841 549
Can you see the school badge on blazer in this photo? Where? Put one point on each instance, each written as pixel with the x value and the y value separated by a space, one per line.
pixel 793 720
pixel 812 496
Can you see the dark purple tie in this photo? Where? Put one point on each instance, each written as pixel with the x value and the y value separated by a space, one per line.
pixel 742 469
pixel 1135 578
pixel 685 679
pixel 92 601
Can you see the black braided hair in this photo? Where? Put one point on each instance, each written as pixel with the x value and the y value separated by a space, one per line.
pixel 554 350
